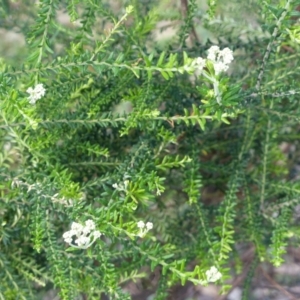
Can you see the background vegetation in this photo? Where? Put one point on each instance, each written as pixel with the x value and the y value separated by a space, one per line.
pixel 128 130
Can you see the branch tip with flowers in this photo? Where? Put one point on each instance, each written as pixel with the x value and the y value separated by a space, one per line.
pixel 36 93
pixel 85 235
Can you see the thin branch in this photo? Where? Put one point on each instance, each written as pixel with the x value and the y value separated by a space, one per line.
pixel 270 46
pixel 184 10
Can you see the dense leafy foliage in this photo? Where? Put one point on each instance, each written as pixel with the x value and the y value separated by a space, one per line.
pixel 129 129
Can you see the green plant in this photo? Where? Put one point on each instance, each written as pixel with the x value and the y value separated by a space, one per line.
pixel 102 124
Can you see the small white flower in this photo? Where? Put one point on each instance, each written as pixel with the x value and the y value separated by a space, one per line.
pixel 82 241
pixel 220 67
pixel 96 234
pixel 86 230
pixel 35 94
pixel 149 225
pixel 199 63
pixel 76 227
pixel 144 228
pixel 68 240
pixel 126 182
pixel 90 224
pixel 122 186
pixel 212 275
pixel 226 55
pixel 67 235
pixel 140 224
pixel 212 52
pixel 74 232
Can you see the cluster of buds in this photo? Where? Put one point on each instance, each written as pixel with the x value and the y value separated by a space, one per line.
pixel 85 235
pixel 121 186
pixel 144 228
pixel 36 93
pixel 198 64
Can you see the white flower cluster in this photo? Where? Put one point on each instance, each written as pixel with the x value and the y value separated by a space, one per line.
pixel 83 234
pixel 35 94
pixel 212 275
pixel 144 228
pixel 220 58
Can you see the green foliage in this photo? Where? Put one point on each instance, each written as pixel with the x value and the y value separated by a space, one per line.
pixel 126 131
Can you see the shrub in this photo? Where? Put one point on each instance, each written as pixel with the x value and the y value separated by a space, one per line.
pixel 126 152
